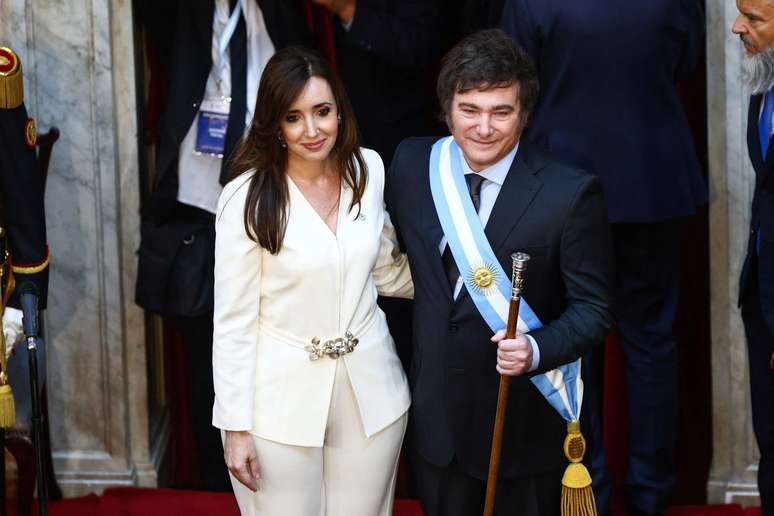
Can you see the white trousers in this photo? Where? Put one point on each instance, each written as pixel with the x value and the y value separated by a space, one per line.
pixel 351 475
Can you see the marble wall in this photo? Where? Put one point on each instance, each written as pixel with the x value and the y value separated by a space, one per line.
pixel 735 456
pixel 79 70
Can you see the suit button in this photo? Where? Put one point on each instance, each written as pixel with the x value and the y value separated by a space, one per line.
pixel 453 328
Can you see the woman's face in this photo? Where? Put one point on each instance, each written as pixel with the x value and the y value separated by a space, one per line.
pixel 311 125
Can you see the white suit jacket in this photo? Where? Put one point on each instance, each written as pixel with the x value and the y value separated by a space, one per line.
pixel 269 307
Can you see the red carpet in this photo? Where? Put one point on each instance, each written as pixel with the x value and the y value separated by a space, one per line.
pixel 170 502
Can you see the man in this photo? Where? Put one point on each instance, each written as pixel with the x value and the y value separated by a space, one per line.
pixel 755 26
pixel 609 105
pixel 213 52
pixel 527 202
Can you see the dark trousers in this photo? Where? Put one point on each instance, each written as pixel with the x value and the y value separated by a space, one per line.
pixel 760 346
pixel 449 491
pixel 591 427
pixel 647 294
pixel 197 340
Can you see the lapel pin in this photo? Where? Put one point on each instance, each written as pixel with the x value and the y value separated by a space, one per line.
pixel 361 217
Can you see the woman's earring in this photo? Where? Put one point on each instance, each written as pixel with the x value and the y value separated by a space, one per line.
pixel 282 142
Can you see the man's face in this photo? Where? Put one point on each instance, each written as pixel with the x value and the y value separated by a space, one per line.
pixel 486 124
pixel 755 25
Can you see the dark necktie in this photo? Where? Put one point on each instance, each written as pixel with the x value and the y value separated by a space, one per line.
pixel 474 188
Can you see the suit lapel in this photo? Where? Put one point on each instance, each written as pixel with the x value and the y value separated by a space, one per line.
pixel 432 233
pixel 762 167
pixel 515 196
pixel 753 142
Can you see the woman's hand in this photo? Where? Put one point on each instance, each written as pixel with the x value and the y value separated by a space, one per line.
pixel 241 459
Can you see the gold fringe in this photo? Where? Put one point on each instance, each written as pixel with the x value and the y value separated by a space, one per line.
pixel 11 82
pixel 7 407
pixel 578 502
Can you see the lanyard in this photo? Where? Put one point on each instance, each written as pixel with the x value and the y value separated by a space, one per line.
pixel 225 39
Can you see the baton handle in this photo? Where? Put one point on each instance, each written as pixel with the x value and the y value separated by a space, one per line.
pixel 517 286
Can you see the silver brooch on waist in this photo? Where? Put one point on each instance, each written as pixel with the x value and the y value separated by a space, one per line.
pixel 333 348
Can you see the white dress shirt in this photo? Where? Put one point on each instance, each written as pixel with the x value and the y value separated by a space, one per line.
pixel 199 174
pixel 494 177
pixel 269 307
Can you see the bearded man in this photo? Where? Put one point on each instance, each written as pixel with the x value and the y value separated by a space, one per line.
pixel 755 26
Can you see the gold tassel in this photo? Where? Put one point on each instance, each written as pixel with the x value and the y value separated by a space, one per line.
pixel 577 495
pixel 7 406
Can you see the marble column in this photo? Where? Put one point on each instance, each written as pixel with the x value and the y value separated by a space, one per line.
pixel 735 455
pixel 79 70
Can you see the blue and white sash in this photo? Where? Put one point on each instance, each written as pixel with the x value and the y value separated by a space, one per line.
pixel 487 283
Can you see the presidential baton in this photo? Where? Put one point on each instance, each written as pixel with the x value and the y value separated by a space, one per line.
pixel 517 287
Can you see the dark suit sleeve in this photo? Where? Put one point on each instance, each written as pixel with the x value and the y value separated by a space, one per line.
pixel 692 16
pixel 586 262
pixel 21 185
pixel 519 23
pixel 406 37
pixel 390 199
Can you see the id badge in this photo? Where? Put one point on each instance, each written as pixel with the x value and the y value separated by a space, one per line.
pixel 211 126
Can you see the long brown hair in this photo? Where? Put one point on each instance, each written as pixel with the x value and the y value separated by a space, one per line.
pixel 283 80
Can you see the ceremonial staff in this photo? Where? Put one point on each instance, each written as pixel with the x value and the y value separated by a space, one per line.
pixel 517 287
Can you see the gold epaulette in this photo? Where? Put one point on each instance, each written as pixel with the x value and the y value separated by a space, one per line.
pixel 32 268
pixel 11 83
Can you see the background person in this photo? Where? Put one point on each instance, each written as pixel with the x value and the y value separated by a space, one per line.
pixel 609 105
pixel 211 50
pixel 755 27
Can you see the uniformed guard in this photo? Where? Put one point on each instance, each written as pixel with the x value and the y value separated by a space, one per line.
pixel 23 246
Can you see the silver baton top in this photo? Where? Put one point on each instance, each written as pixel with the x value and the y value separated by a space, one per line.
pixel 517 274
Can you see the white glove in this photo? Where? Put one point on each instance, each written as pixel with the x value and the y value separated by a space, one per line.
pixel 12 328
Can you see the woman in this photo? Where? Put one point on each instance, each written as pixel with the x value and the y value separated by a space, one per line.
pixel 308 388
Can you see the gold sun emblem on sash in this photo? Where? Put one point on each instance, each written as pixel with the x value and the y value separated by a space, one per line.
pixel 482 278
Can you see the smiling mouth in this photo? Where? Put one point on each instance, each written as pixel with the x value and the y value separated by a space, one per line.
pixel 314 146
pixel 483 143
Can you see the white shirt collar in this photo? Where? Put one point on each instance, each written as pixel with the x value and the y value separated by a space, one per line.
pixel 495 173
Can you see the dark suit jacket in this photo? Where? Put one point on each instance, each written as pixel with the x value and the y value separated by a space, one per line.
pixel 386 62
pixel 183 32
pixel 608 102
pixel 557 215
pixel 21 203
pixel 763 217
